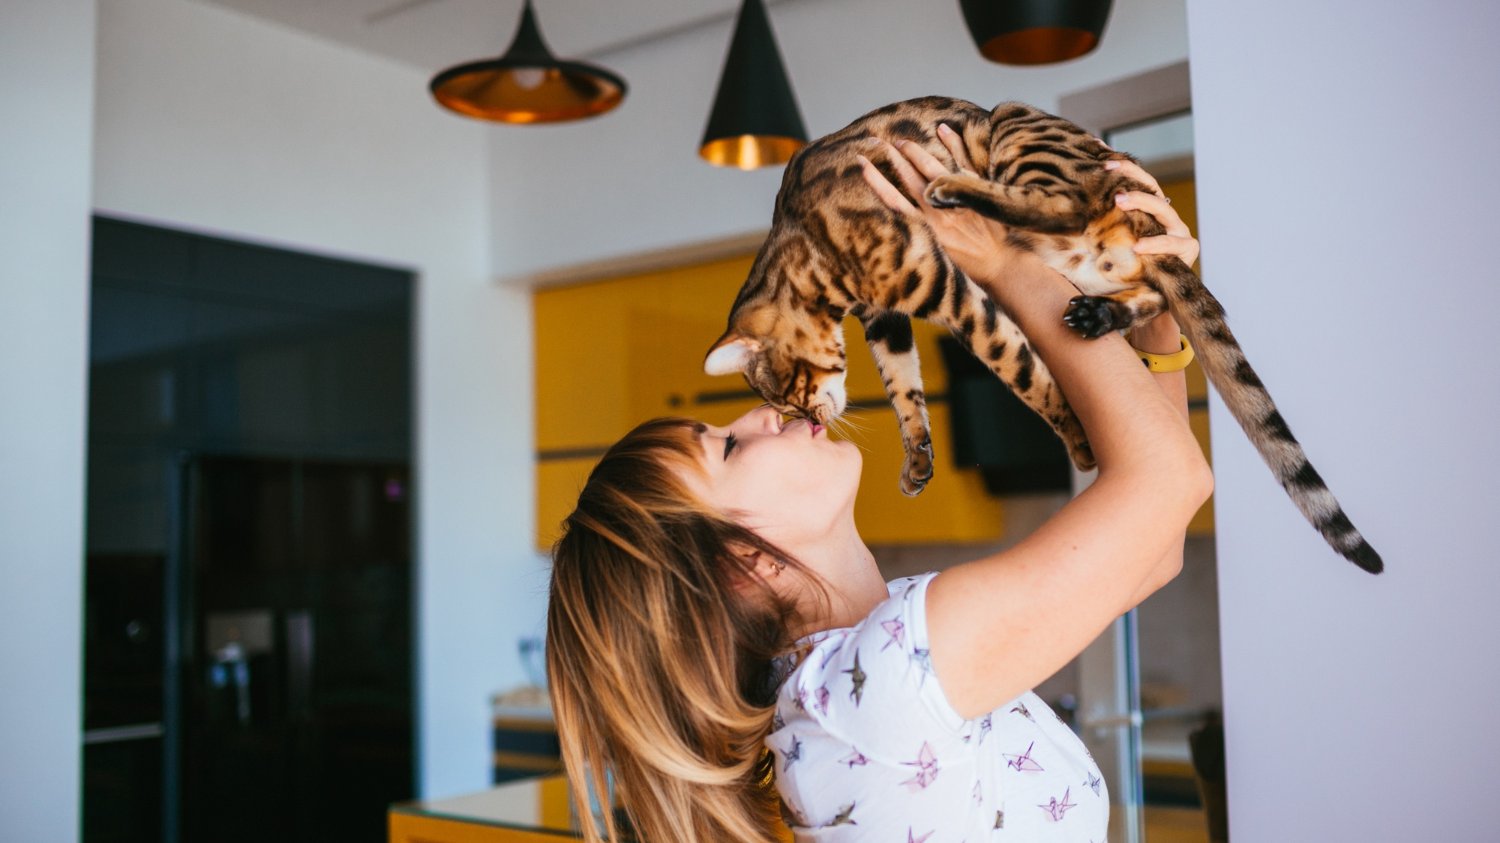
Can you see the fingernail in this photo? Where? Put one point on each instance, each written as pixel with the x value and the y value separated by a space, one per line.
pixel 1121 199
pixel 945 128
pixel 1111 165
pixel 863 161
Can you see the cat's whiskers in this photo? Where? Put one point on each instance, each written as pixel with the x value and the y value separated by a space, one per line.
pixel 844 425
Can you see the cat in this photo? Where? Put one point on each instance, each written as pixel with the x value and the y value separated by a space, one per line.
pixel 834 249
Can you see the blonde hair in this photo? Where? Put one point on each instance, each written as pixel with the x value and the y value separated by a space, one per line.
pixel 659 641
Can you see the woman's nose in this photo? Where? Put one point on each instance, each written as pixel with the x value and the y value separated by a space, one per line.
pixel 764 418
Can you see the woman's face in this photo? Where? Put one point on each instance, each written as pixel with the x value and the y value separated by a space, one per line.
pixel 787 481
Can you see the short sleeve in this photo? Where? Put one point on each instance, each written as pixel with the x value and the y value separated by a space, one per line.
pixel 872 686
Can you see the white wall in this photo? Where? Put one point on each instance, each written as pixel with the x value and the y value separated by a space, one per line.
pixel 1347 185
pixel 46 95
pixel 631 180
pixel 218 122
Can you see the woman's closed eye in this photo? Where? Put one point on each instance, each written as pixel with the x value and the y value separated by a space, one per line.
pixel 730 442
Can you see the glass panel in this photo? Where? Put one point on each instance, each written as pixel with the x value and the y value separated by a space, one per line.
pixel 1167 648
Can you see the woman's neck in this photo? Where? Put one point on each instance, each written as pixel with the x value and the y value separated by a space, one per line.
pixel 854 583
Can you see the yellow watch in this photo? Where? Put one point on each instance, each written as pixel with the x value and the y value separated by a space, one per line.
pixel 1163 363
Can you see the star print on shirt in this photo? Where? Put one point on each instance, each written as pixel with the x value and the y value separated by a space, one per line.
pixel 1023 762
pixel 927 769
pixel 1056 809
pixel 858 675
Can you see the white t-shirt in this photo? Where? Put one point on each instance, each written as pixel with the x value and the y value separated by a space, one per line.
pixel 867 746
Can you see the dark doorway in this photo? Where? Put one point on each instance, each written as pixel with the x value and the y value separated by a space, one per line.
pixel 248 644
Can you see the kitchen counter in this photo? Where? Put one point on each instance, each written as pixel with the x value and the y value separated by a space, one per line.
pixel 526 811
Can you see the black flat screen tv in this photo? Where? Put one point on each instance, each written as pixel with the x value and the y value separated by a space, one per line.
pixel 1015 451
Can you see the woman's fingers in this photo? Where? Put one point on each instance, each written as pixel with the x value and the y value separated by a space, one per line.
pixel 925 163
pixel 1156 206
pixel 884 189
pixel 1183 247
pixel 915 182
pixel 955 147
pixel 1136 172
pixel 1178 240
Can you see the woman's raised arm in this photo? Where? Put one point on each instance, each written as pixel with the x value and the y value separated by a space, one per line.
pixel 1000 625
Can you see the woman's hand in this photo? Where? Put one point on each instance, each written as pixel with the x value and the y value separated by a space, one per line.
pixel 1177 240
pixel 977 244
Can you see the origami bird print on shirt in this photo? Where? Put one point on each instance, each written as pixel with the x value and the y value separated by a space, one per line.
pixel 927 769
pixel 1024 762
pixel 896 630
pixel 845 816
pixel 1056 809
pixel 912 838
pixel 792 755
pixel 854 759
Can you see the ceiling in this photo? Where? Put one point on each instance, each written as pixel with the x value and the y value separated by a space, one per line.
pixel 434 34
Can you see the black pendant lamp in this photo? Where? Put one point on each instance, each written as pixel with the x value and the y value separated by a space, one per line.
pixel 1035 31
pixel 528 84
pixel 755 121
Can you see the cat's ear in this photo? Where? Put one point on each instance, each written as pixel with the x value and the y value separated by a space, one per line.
pixel 732 353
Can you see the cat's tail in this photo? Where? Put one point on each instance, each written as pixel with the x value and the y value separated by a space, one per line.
pixel 1202 319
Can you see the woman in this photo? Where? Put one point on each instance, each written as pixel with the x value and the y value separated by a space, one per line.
pixel 716 625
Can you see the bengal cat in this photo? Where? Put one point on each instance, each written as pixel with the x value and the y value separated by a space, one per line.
pixel 835 249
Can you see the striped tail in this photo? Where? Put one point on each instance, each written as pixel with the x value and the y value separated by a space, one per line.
pixel 1202 319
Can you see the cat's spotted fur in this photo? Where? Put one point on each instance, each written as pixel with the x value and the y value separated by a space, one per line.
pixel 835 249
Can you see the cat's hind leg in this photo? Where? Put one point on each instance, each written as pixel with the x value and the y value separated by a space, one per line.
pixel 891 342
pixel 1059 211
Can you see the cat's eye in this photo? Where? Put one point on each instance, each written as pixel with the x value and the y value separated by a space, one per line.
pixel 729 442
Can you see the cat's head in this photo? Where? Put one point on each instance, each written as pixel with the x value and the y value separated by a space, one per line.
pixel 793 357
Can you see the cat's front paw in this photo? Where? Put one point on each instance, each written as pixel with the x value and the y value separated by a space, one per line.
pixel 946 192
pixel 917 470
pixel 1090 316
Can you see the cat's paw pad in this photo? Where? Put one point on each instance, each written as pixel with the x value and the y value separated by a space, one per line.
pixel 945 192
pixel 917 469
pixel 1090 316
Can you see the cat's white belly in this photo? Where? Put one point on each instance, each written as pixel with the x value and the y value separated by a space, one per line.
pixel 1088 271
